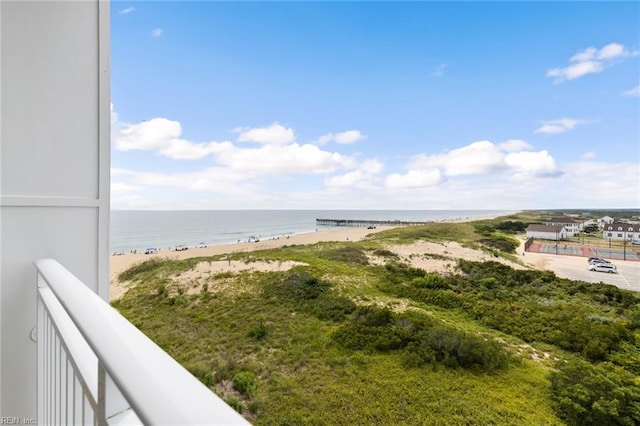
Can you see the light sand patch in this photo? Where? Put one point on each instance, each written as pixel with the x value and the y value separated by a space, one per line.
pixel 442 257
pixel 209 272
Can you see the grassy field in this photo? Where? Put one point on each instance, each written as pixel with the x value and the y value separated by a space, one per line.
pixel 344 341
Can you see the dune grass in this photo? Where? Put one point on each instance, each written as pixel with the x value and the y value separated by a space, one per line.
pixel 342 341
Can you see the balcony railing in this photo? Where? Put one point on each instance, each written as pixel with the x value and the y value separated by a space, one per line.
pixel 95 367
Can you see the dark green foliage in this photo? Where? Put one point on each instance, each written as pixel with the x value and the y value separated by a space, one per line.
pixel 245 383
pixel 300 286
pixel 332 307
pixel 535 306
pixel 511 227
pixel 592 229
pixel 397 273
pixel 501 242
pixel 347 254
pixel 420 340
pixel 483 229
pixel 598 395
pixel 455 348
pixel 258 332
pixel 311 295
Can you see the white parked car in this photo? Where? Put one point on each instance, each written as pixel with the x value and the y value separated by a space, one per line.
pixel 604 267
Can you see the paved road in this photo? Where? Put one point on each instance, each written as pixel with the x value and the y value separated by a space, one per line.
pixel 576 268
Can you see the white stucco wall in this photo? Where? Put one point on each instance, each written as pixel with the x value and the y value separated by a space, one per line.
pixel 546 235
pixel 54 167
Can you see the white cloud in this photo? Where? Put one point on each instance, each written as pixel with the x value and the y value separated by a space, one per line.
pixel 513 145
pixel 363 176
pixel 127 10
pixel 478 159
pixel 277 155
pixel 634 93
pixel 559 125
pixel 590 61
pixel 588 155
pixel 275 134
pixel 348 137
pixel 163 135
pixel 531 164
pixel 157 32
pixel 213 179
pixel 575 71
pixel 292 158
pixel 414 179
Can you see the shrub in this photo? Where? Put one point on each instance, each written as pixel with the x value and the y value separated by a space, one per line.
pixel 347 254
pixel 603 394
pixel 258 332
pixel 501 242
pixel 432 281
pixel 299 286
pixel 512 227
pixel 245 383
pixel 456 348
pixel 483 229
pixel 331 307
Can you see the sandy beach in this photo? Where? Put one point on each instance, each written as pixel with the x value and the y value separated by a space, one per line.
pixel 119 263
pixel 416 254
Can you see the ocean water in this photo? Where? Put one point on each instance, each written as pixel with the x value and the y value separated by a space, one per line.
pixel 137 230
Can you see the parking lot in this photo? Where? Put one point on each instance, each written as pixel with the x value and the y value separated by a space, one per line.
pixel 576 268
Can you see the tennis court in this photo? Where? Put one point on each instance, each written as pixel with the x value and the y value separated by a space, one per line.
pixel 563 249
pixel 573 250
pixel 616 253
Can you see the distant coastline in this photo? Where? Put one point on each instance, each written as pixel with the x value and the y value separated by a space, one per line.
pixel 137 230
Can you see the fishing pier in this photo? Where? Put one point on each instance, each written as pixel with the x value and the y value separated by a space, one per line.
pixel 365 223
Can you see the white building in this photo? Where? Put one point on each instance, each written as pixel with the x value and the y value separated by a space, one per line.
pixel 572 226
pixel 547 232
pixel 621 231
pixel 54 203
pixel 605 220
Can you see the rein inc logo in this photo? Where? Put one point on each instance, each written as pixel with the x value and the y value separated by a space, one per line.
pixel 17 420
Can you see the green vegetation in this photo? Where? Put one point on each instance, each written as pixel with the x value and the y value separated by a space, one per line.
pixel 346 340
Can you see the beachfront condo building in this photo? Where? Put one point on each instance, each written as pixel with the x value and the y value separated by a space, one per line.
pixel 66 357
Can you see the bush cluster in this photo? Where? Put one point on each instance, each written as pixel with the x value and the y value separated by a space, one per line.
pixel 309 294
pixel 603 394
pixel 511 227
pixel 420 340
pixel 532 305
pixel 501 242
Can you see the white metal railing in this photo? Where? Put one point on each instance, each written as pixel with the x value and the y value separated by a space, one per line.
pixel 95 367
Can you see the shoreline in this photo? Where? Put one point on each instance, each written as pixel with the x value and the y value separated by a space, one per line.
pixel 134 233
pixel 121 262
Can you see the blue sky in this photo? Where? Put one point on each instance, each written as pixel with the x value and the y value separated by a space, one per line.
pixel 375 105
